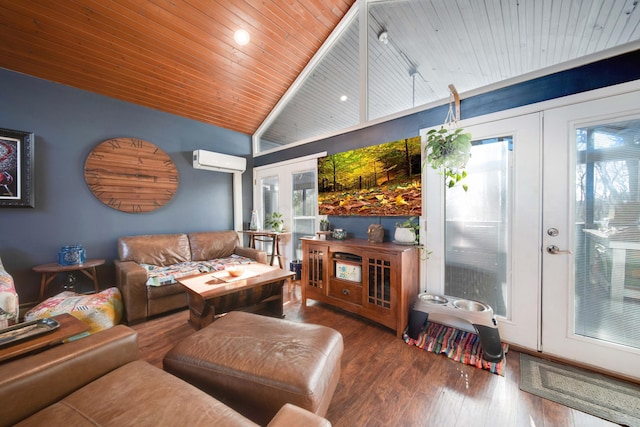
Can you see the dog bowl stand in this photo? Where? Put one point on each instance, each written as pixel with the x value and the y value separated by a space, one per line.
pixel 478 314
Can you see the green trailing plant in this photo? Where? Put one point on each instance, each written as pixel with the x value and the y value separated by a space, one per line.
pixel 449 150
pixel 274 221
pixel 411 223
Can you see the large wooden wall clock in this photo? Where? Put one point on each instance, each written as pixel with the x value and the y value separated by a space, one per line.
pixel 131 175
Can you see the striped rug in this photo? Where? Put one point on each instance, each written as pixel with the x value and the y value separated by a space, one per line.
pixel 456 344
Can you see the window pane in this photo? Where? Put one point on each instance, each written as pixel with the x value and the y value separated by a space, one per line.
pixel 607 238
pixel 477 227
pixel 305 207
pixel 270 196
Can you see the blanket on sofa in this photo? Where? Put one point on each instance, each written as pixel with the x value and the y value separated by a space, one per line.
pixel 159 276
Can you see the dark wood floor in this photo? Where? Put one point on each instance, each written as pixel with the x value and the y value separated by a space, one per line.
pixel 385 382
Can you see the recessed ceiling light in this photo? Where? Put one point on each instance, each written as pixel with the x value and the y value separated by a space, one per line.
pixel 241 37
pixel 343 98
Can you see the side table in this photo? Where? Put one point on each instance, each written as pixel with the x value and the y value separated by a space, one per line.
pixel 69 327
pixel 51 270
pixel 272 237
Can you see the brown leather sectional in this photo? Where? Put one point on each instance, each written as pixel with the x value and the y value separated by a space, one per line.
pixel 142 301
pixel 98 381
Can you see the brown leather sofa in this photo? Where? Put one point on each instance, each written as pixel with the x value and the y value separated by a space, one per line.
pixel 98 381
pixel 142 301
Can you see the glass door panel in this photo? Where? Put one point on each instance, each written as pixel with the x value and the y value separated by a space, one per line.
pixel 478 227
pixel 270 189
pixel 607 238
pixel 270 199
pixel 485 243
pixel 305 207
pixel 289 188
pixel 591 240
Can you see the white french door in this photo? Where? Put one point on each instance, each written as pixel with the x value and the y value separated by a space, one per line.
pixel 590 233
pixel 289 188
pixel 484 243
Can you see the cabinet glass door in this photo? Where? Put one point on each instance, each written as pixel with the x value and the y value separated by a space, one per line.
pixel 315 266
pixel 378 281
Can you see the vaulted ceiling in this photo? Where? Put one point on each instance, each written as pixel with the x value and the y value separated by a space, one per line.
pixel 177 56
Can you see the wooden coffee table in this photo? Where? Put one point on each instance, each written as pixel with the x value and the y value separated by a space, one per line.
pixel 258 290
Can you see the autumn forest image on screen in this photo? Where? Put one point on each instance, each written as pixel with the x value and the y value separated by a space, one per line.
pixel 380 180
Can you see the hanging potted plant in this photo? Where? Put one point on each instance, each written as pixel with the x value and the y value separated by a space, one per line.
pixel 449 150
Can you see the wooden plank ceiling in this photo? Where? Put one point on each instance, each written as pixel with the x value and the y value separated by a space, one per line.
pixel 176 56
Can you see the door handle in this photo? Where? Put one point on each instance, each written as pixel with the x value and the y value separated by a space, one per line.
pixel 554 250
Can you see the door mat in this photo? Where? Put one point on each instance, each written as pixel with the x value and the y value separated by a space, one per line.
pixel 608 398
pixel 456 344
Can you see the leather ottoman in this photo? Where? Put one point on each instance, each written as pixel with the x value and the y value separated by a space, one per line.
pixel 256 364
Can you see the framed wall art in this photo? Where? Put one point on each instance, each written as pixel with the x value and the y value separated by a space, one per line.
pixel 379 180
pixel 16 169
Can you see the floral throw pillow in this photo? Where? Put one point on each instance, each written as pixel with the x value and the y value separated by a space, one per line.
pixel 100 311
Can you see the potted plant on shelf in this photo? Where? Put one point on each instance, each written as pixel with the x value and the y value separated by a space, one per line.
pixel 324 224
pixel 274 221
pixel 407 231
pixel 449 149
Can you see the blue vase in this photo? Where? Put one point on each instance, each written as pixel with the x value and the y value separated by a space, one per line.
pixel 72 255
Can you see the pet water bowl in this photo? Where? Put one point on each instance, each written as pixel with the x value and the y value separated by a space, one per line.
pixel 465 304
pixel 433 299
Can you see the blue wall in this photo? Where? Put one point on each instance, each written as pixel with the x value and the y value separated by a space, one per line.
pixel 68 123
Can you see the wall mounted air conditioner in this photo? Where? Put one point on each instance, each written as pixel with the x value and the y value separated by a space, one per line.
pixel 203 159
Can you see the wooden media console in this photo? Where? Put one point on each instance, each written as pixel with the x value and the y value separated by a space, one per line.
pixel 378 281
